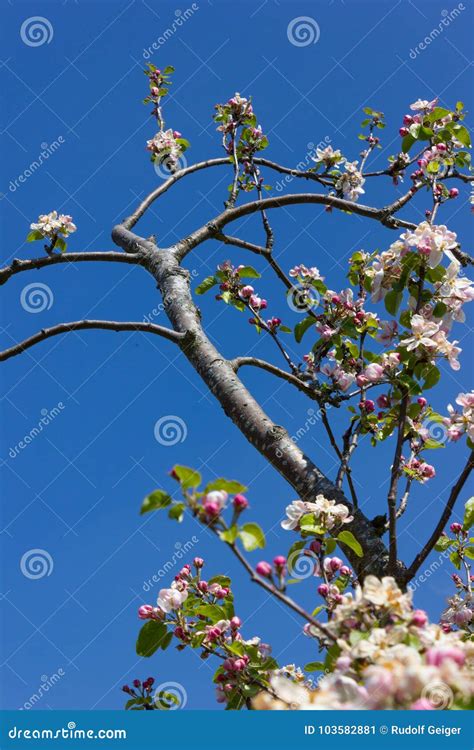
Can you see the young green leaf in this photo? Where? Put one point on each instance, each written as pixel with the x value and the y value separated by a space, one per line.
pixel 156 500
pixel 150 637
pixel 347 538
pixel 252 536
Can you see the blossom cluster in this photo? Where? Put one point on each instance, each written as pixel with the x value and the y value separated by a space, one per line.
pixel 53 227
pixel 199 614
pixel 326 513
pixel 387 656
pixel 167 146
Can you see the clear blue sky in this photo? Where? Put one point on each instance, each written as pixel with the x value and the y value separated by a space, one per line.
pixel 75 491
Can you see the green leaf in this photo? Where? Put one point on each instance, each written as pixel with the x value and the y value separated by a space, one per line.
pixel 455 559
pixel 229 535
pixel 302 327
pixel 189 478
pixel 469 552
pixel 330 546
pixel 431 378
pixel 310 526
pixel 228 485
pixel 212 611
pixel 347 538
pixel 443 543
pixel 462 134
pixel 285 329
pixel 35 235
pixel 60 244
pixel 252 536
pixel 468 514
pixel 205 285
pixel 432 444
pixel 166 641
pixel 176 513
pixel 393 301
pixel 248 272
pixel 156 500
pixel 314 666
pixel 150 637
pixel 407 143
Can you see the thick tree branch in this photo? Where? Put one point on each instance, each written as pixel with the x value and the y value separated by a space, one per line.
pixel 78 325
pixel 445 516
pixel 17 265
pixel 226 217
pixel 271 440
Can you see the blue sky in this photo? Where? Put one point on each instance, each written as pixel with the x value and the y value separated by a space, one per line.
pixel 75 491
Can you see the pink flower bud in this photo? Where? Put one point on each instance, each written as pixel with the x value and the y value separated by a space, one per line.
pixel 367 406
pixel 176 134
pixel 264 569
pixel 383 401
pixel 235 623
pixel 407 120
pixel 420 618
pixel 203 586
pixel 240 502
pixel 323 589
pixel 246 291
pixel 456 528
pixel 136 683
pixel 315 546
pixel 279 562
pixel 422 402
pixel 211 508
pixel 403 131
pixel 198 562
pixel 345 571
pixel 453 193
pixel 145 612
pixel 335 563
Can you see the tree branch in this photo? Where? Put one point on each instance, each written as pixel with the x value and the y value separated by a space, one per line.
pixel 445 516
pixel 78 325
pixel 17 265
pixel 239 362
pixel 226 217
pixel 271 440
